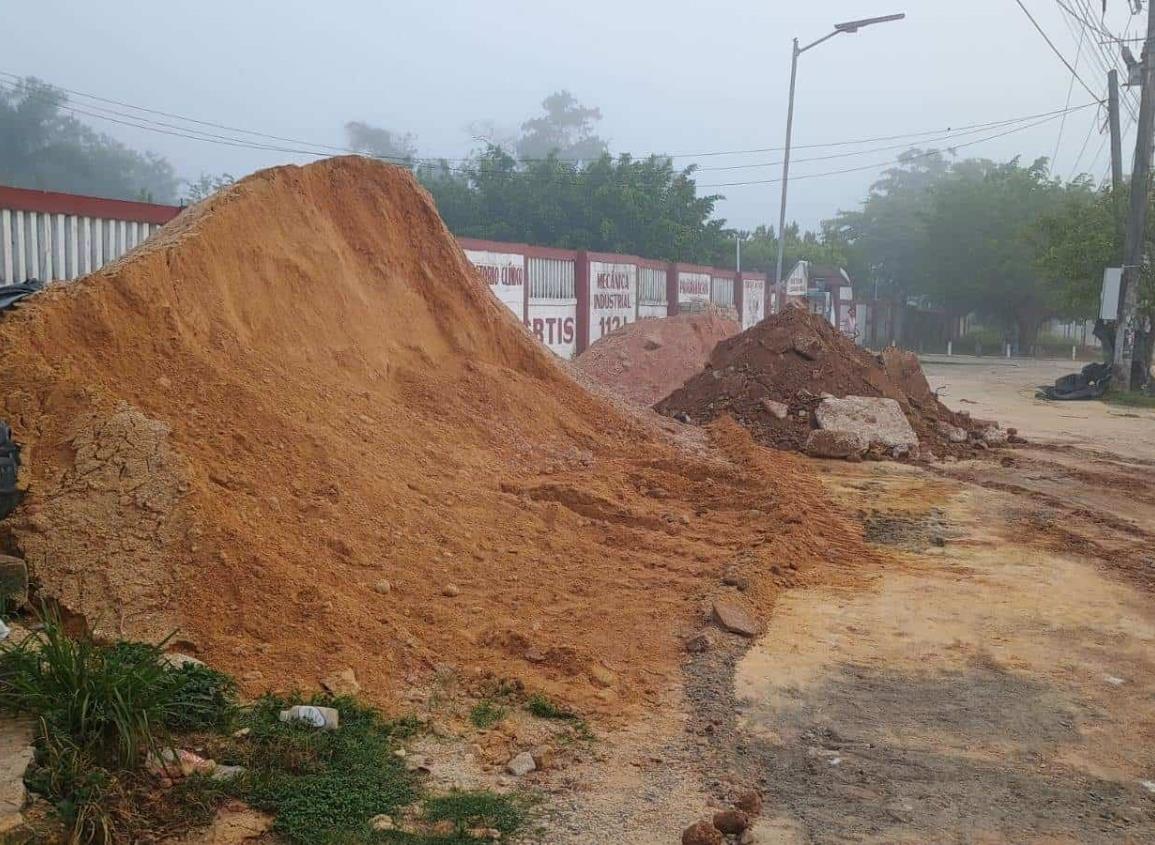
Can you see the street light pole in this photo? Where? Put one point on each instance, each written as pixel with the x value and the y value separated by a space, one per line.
pixel 848 28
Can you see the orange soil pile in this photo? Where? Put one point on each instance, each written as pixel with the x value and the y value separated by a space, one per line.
pixel 300 389
pixel 647 360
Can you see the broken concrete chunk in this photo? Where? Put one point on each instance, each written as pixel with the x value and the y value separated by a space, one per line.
pixel 821 443
pixel 952 432
pixel 325 718
pixel 875 419
pixel 995 436
pixel 735 619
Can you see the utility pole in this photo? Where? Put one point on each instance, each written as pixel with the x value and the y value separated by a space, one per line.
pixel 1116 145
pixel 849 28
pixel 1134 240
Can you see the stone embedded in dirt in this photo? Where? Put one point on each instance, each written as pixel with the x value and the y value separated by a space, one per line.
pixel 995 436
pixel 520 765
pixel 325 718
pixel 222 772
pixel 953 433
pixel 778 410
pixel 876 419
pixel 601 676
pixel 543 757
pixel 382 823
pixel 175 764
pixel 383 586
pixel 702 833
pixel 450 590
pixel 731 822
pixel 735 619
pixel 700 643
pixel 739 582
pixel 343 682
pixel 16 753
pixel 822 443
pixel 750 803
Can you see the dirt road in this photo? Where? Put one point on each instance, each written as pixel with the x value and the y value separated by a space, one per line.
pixel 1004 389
pixel 992 682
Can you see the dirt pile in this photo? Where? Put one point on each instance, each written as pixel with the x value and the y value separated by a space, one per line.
pixel 647 360
pixel 300 389
pixel 773 376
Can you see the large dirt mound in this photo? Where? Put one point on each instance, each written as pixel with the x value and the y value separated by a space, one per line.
pixel 647 360
pixel 300 390
pixel 794 358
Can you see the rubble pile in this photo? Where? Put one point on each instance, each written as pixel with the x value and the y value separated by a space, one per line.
pixel 796 383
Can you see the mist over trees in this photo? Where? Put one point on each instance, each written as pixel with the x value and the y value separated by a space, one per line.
pixel 1004 240
pixel 45 148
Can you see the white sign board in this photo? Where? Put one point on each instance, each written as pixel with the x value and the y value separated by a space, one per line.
pixel 613 297
pixel 1109 298
pixel 796 281
pixel 693 287
pixel 505 273
pixel 753 302
pixel 554 323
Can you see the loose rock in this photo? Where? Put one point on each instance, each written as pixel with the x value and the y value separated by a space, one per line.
pixel 822 443
pixel 450 590
pixel 343 682
pixel 735 619
pixel 750 803
pixel 702 833
pixel 521 765
pixel 383 587
pixel 732 822
pixel 382 823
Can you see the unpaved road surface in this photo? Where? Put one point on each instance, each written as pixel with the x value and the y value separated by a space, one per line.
pixel 992 682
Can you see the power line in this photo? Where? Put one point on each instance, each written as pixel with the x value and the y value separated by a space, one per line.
pixel 1055 49
pixel 1067 104
pixel 926 154
pixel 1083 149
pixel 311 146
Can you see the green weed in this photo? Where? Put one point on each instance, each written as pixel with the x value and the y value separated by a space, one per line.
pixel 486 714
pixel 543 707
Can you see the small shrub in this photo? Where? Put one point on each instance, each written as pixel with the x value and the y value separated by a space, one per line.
pixel 544 708
pixel 203 699
pixel 110 702
pixel 486 714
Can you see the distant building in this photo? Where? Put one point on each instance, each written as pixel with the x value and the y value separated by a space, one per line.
pixel 826 290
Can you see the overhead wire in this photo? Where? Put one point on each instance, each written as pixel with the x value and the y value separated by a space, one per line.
pixel 1067 103
pixel 1055 49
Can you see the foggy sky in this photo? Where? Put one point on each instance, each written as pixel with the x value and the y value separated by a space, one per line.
pixel 671 77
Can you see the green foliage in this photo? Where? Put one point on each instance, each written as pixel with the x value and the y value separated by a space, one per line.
pixel 43 147
pixel 565 131
pixel 202 699
pixel 476 809
pixel 486 714
pixel 205 186
pixel 543 707
pixel 323 786
pixel 393 147
pixel 111 702
pixel 641 206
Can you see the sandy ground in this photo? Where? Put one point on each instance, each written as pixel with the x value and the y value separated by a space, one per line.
pixel 1004 389
pixel 992 682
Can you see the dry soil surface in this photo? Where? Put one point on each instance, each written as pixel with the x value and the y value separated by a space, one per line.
pixel 990 680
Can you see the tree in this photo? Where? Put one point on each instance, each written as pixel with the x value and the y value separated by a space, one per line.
pixel 760 249
pixel 389 146
pixel 1075 241
pixel 565 130
pixel 43 148
pixel 206 185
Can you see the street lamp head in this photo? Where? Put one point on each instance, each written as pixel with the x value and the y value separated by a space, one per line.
pixel 854 26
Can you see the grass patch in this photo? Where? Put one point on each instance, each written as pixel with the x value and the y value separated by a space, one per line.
pixel 476 809
pixel 544 707
pixel 486 714
pixel 102 708
pixel 1134 399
